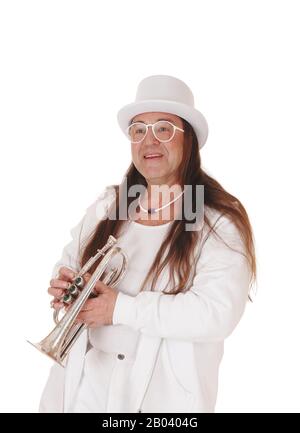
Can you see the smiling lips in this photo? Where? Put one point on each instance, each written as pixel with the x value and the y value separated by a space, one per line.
pixel 153 155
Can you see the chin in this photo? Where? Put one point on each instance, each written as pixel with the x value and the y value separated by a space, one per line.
pixel 153 175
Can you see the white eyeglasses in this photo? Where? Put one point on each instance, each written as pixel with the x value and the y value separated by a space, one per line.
pixel 163 130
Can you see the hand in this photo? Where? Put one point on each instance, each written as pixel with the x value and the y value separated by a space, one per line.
pixel 58 286
pixel 99 311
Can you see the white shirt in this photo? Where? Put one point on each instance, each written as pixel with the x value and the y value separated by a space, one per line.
pixel 140 243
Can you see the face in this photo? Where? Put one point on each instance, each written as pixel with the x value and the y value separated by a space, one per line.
pixel 162 170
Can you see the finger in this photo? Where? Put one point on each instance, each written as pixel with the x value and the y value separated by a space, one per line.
pixel 89 305
pixel 56 304
pixel 100 287
pixel 78 321
pixel 59 284
pixel 66 274
pixel 57 293
pixel 87 276
pixel 93 325
pixel 85 316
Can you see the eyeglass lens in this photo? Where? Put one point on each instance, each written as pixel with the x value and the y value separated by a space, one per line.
pixel 163 131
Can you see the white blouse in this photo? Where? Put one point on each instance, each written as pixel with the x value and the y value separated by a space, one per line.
pixel 140 243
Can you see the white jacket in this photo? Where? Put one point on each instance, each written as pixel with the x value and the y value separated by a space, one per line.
pixel 194 324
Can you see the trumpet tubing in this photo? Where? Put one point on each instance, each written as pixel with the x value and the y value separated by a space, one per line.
pixel 59 342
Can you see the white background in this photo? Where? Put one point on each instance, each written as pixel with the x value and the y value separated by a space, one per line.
pixel 66 68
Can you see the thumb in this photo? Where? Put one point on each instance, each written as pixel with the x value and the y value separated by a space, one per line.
pixel 87 276
pixel 100 287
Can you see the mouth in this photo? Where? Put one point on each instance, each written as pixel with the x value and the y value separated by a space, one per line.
pixel 153 156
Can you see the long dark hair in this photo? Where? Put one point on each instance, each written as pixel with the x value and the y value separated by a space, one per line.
pixel 179 244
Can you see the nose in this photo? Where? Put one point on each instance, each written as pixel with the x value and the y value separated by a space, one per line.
pixel 150 137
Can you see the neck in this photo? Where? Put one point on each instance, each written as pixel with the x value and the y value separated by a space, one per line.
pixel 158 195
pixel 161 202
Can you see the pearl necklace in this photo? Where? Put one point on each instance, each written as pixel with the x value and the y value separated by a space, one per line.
pixel 154 210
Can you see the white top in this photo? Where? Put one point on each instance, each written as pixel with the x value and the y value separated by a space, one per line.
pixel 140 243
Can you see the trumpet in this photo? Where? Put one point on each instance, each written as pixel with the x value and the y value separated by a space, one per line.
pixel 59 342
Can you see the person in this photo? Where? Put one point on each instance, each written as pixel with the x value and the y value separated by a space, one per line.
pixel 154 342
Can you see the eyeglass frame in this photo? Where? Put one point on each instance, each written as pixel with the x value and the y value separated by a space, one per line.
pixel 152 124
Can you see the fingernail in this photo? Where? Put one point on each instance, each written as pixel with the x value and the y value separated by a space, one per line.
pixel 66 284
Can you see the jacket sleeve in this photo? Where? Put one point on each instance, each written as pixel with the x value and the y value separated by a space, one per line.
pixel 210 309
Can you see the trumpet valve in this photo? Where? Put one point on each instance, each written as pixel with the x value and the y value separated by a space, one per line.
pixel 67 299
pixel 73 290
pixel 79 282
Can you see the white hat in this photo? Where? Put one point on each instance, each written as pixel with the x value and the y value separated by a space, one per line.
pixel 166 94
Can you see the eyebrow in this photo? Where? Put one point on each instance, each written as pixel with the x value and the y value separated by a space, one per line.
pixel 141 121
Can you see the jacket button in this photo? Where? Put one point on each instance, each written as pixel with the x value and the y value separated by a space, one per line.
pixel 121 356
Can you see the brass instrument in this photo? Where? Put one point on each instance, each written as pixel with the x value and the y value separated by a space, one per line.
pixel 59 342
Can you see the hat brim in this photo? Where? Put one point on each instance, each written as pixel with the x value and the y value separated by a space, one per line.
pixel 193 116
